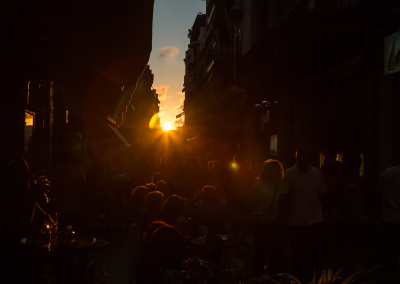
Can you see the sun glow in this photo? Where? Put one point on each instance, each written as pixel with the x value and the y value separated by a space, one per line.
pixel 166 126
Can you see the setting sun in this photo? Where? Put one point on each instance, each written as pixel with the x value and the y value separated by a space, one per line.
pixel 166 126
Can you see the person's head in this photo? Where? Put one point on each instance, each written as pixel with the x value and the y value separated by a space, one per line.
pixel 173 207
pixel 352 163
pixel 168 243
pixel 272 171
pixel 151 228
pixel 303 157
pixel 138 195
pixel 209 195
pixel 161 186
pixel 151 186
pixel 154 201
pixel 15 173
pixel 156 177
pixel 330 155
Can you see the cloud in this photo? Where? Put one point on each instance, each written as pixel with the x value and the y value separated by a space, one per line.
pixel 162 92
pixel 166 52
pixel 181 96
pixel 180 121
pixel 179 108
pixel 161 114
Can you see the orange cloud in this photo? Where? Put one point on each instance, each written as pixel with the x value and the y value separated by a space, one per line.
pixel 179 107
pixel 162 92
pixel 168 52
pixel 161 114
pixel 180 121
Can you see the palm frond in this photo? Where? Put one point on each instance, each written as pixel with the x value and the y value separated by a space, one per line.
pixel 293 280
pixel 356 276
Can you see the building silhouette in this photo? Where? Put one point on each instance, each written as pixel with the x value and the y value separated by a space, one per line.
pixel 64 66
pixel 138 109
pixel 296 73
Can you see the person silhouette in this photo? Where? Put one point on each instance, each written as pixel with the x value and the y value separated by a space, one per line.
pixel 71 197
pixel 303 191
pixel 268 233
pixel 389 187
pixel 136 207
pixel 25 204
pixel 161 256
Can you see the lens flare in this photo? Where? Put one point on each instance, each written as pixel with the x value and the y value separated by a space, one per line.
pixel 154 121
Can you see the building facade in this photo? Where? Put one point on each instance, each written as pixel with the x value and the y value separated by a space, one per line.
pixel 63 71
pixel 138 111
pixel 309 73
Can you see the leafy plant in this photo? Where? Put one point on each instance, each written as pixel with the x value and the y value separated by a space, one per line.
pixel 199 270
pixel 329 277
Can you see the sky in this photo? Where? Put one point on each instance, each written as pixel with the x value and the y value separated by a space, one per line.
pixel 171 21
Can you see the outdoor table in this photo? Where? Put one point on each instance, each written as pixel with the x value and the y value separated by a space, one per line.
pixel 216 247
pixel 57 262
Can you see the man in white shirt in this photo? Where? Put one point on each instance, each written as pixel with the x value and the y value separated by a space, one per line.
pixel 389 186
pixel 303 190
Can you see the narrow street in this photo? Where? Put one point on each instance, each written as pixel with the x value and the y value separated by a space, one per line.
pixel 213 141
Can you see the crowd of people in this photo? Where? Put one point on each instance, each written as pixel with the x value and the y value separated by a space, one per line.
pixel 295 220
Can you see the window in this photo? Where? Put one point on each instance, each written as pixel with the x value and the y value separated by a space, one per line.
pixel 29 128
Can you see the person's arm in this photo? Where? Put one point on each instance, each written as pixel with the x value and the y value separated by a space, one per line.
pixel 283 201
pixel 323 197
pixel 282 210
